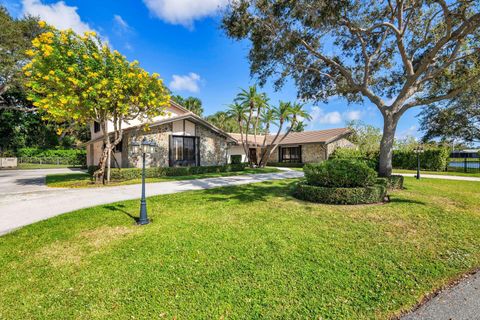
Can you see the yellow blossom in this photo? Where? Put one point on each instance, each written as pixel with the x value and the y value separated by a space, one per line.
pixel 42 24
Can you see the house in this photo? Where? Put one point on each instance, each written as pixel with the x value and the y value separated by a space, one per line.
pixel 297 147
pixel 182 137
pixel 185 139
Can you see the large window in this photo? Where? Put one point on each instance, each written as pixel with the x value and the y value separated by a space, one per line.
pixel 291 154
pixel 96 126
pixel 183 151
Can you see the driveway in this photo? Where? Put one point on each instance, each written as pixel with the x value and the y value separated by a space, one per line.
pixel 24 181
pixel 26 199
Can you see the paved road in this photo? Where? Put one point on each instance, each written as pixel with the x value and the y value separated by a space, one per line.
pixel 461 302
pixel 438 176
pixel 38 202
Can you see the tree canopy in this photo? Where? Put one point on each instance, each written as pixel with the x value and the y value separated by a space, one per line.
pixel 73 77
pixel 191 103
pixel 395 54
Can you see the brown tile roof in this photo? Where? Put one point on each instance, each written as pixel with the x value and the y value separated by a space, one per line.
pixel 318 136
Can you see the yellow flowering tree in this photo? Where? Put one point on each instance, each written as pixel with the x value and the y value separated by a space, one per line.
pixel 79 78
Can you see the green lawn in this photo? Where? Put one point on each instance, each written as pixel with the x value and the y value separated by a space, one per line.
pixel 43 166
pixel 82 180
pixel 442 173
pixel 243 252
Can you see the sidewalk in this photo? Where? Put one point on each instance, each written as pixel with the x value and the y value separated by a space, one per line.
pixel 438 176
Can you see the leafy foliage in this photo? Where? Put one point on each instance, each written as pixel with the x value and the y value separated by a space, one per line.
pixel 191 103
pixel 65 156
pixel 73 77
pixel 346 173
pixel 432 159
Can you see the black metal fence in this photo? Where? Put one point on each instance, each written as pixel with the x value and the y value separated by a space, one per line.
pixel 467 165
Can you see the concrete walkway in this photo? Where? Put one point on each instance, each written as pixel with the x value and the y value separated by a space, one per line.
pixel 461 302
pixel 19 209
pixel 438 176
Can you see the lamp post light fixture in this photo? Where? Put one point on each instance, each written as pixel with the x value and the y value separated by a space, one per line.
pixel 418 150
pixel 146 146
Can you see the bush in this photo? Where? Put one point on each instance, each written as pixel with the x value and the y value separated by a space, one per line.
pixel 157 172
pixel 432 159
pixel 61 156
pixel 395 182
pixel 347 173
pixel 370 158
pixel 359 195
pixel 285 164
pixel 235 159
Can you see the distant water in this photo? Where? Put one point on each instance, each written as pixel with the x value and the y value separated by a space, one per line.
pixel 461 164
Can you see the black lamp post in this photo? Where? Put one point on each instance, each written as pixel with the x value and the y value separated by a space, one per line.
pixel 145 147
pixel 418 150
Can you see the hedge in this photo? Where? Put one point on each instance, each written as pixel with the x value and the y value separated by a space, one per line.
pixel 62 156
pixel 359 195
pixel 285 164
pixel 394 182
pixel 347 173
pixel 157 172
pixel 432 159
pixel 236 158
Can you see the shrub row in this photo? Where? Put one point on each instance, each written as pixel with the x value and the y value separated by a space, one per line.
pixel 236 159
pixel 432 159
pixel 285 164
pixel 359 195
pixel 347 173
pixel 62 156
pixel 157 172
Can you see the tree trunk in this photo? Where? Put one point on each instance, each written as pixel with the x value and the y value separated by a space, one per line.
pixel 109 161
pixel 386 145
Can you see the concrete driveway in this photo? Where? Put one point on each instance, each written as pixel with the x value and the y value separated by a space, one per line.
pixel 24 181
pixel 25 199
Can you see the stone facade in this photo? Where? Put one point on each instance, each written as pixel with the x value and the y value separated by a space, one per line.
pixel 340 143
pixel 212 147
pixel 314 152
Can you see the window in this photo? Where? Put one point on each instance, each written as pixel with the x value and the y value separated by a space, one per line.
pixel 183 151
pixel 291 154
pixel 96 126
pixel 119 147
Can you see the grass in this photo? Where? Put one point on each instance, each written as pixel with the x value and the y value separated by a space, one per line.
pixel 245 252
pixel 442 173
pixel 83 180
pixel 43 166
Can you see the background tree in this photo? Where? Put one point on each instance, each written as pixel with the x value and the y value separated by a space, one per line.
pixel 300 127
pixel 191 103
pixel 79 78
pixel 457 120
pixel 366 137
pixel 222 120
pixel 15 38
pixel 397 54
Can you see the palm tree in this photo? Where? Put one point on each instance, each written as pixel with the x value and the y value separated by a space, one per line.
pixel 238 112
pixel 255 102
pixel 194 104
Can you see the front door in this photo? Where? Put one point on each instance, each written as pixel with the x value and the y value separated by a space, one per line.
pixel 253 155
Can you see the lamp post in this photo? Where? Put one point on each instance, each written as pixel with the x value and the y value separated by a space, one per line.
pixel 146 146
pixel 418 150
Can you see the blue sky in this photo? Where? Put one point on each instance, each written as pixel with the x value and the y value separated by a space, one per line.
pixel 183 42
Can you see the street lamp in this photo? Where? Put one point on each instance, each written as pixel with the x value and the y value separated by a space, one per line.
pixel 418 150
pixel 146 146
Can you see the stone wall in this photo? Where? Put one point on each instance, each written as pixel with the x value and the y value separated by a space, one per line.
pixel 340 143
pixel 213 147
pixel 314 152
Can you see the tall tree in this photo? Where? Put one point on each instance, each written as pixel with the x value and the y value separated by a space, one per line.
pixel 15 38
pixel 397 54
pixel 365 136
pixel 300 127
pixel 222 120
pixel 457 120
pixel 238 112
pixel 73 77
pixel 191 103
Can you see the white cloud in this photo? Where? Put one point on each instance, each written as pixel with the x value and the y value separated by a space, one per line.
pixel 120 22
pixel 353 115
pixel 183 12
pixel 320 116
pixel 190 82
pixel 57 14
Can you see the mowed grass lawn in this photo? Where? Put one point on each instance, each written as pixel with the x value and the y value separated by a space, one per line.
pixel 83 180
pixel 441 173
pixel 245 252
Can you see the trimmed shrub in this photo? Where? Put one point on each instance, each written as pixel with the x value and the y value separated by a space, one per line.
pixel 359 195
pixel 235 159
pixel 432 159
pixel 347 173
pixel 157 172
pixel 61 156
pixel 395 182
pixel 285 164
pixel 370 158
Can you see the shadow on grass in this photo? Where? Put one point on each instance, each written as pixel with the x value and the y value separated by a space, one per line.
pixel 119 208
pixel 397 200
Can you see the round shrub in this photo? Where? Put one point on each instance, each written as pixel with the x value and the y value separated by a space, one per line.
pixel 359 195
pixel 347 173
